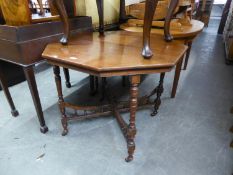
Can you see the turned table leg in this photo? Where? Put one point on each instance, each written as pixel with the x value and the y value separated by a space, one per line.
pixel 189 44
pixel 176 78
pixel 57 76
pixel 159 93
pixel 131 131
pixel 67 77
pixel 6 91
pixel 29 73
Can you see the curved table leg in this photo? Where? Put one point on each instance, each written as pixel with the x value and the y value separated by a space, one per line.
pixel 5 89
pixel 29 73
pixel 176 78
pixel 148 18
pixel 172 7
pixel 64 17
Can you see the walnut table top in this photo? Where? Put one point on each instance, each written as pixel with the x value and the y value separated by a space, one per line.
pixel 117 53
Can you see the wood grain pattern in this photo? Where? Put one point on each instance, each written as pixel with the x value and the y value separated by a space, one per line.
pixel 16 12
pixel 118 50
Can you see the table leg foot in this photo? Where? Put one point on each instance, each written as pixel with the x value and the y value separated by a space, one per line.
pixel 154 113
pixel 157 101
pixel 44 129
pixel 68 85
pixel 14 113
pixel 64 132
pixel 64 125
pixel 129 158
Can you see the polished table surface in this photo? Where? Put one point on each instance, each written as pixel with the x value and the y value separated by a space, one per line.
pixel 117 51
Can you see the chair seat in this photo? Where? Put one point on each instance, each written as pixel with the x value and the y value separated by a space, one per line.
pixel 116 51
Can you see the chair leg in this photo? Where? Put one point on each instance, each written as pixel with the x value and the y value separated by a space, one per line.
pixel 67 77
pixel 176 78
pixel 159 93
pixel 6 91
pixel 29 73
pixel 189 44
pixel 131 131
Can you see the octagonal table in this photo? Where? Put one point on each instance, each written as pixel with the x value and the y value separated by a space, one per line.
pixel 118 53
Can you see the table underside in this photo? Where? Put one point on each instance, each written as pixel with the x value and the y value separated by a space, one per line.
pixel 113 107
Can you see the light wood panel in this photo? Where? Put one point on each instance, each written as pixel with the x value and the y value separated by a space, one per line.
pixel 16 12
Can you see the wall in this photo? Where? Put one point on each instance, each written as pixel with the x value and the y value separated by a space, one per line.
pixel 88 8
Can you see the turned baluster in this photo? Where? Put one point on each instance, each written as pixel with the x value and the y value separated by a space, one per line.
pixel 131 131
